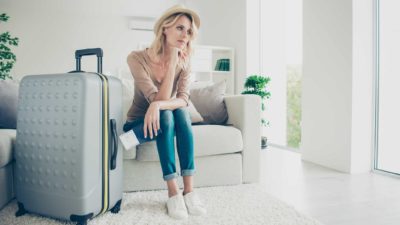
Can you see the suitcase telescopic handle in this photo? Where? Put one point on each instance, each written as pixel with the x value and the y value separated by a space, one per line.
pixel 114 144
pixel 90 51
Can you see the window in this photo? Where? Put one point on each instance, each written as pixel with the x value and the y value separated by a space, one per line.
pixel 387 153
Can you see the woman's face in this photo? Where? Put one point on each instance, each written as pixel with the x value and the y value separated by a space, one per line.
pixel 179 34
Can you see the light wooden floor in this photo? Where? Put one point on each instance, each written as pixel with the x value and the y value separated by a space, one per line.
pixel 332 197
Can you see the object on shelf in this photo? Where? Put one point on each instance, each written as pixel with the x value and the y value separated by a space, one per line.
pixel 222 65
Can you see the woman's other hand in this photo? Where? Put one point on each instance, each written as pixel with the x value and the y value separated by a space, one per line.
pixel 152 120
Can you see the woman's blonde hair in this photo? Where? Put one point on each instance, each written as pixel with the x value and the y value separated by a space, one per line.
pixel 158 44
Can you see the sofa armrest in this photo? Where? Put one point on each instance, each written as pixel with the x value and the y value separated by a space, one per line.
pixel 245 114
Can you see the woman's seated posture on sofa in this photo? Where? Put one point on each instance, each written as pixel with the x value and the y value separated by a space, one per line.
pixel 158 111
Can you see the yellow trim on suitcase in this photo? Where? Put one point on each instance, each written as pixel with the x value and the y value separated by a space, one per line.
pixel 105 144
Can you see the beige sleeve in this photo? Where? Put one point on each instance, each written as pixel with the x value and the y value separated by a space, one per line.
pixel 142 77
pixel 183 86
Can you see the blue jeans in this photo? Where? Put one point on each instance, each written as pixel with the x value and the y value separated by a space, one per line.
pixel 172 123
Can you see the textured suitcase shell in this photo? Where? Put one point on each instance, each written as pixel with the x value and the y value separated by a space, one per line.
pixel 59 159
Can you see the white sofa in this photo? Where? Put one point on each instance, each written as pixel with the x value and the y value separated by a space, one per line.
pixel 7 140
pixel 224 155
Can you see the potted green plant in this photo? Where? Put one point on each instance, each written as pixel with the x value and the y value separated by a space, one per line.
pixel 257 85
pixel 7 58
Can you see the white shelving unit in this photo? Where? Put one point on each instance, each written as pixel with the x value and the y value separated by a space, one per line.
pixel 204 62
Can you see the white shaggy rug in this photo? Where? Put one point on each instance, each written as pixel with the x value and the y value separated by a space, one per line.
pixel 241 204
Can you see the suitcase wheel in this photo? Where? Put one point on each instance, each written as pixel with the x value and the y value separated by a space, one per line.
pixel 116 208
pixel 21 210
pixel 81 219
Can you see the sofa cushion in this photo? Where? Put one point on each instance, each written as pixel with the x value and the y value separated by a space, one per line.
pixel 195 116
pixel 208 140
pixel 128 90
pixel 209 172
pixel 8 104
pixel 7 141
pixel 209 101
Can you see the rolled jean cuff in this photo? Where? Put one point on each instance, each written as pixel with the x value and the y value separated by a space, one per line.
pixel 170 176
pixel 187 173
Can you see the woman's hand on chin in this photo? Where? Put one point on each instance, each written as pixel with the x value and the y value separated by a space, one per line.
pixel 173 56
pixel 183 55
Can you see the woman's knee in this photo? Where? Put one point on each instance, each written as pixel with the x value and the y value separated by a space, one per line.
pixel 181 116
pixel 166 119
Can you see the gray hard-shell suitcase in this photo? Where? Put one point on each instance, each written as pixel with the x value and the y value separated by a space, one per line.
pixel 68 161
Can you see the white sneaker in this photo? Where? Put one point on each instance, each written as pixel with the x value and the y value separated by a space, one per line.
pixel 194 205
pixel 176 207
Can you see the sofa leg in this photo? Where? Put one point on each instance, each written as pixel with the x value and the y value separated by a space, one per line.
pixel 21 210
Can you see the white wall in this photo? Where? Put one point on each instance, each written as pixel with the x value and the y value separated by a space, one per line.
pixel 50 32
pixel 253 50
pixel 223 23
pixel 336 92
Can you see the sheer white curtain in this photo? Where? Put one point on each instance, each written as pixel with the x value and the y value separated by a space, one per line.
pixel 281 45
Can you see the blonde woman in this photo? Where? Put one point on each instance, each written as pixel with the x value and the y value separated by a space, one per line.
pixel 158 111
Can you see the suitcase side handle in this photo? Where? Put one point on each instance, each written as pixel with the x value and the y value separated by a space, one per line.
pixel 89 51
pixel 114 144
